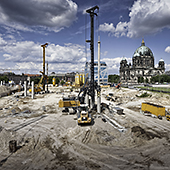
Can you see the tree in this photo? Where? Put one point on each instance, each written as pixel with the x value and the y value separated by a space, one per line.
pixel 140 79
pixel 160 78
pixel 113 78
pixel 4 78
pixel 50 78
pixel 35 79
pixel 146 80
pixel 62 82
pixel 57 80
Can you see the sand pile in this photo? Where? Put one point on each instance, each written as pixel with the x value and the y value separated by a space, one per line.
pixel 5 137
pixel 4 91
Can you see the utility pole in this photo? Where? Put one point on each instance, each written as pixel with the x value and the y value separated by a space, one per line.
pixel 92 88
pixel 98 93
pixel 44 45
pixel 47 77
pixel 99 61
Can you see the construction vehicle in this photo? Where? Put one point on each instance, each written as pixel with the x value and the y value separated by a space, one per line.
pixel 67 83
pixel 168 117
pixel 69 102
pixel 168 114
pixel 86 87
pixel 118 85
pixel 110 97
pixel 38 87
pixel 83 115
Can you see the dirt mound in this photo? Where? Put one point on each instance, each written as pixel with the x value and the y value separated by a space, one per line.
pixel 141 133
pixel 4 91
pixel 5 137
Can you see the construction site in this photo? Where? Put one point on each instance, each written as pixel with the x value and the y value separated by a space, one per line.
pixel 47 137
pixel 85 125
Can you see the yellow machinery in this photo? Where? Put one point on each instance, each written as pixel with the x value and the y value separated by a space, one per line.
pixel 68 83
pixel 79 80
pixel 54 81
pixel 83 116
pixel 153 108
pixel 38 87
pixel 168 115
pixel 69 102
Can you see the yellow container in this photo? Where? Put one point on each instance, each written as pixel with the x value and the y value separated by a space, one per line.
pixel 153 108
pixel 54 81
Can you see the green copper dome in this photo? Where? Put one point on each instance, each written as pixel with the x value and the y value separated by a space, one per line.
pixel 143 51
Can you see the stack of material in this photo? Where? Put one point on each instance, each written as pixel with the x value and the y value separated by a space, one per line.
pixel 118 110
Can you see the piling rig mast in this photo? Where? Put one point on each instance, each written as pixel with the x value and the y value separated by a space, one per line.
pixel 43 73
pixel 90 90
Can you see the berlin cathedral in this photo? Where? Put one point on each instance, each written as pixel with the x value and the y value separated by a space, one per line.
pixel 142 66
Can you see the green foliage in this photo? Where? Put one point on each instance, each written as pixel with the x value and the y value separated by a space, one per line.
pixel 35 79
pixel 140 80
pixel 146 80
pixel 4 78
pixel 113 78
pixel 57 81
pixel 160 78
pixel 62 82
pixel 143 95
pixel 50 80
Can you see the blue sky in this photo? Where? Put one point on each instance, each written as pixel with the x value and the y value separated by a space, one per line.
pixel 64 25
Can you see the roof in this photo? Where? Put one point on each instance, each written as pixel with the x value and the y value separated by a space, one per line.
pixel 161 60
pixel 143 51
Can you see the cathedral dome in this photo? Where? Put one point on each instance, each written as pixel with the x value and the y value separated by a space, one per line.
pixel 123 60
pixel 161 60
pixel 143 51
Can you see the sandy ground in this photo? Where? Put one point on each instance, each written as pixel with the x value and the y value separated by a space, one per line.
pixel 48 138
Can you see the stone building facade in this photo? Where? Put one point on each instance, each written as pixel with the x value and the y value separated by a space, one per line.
pixel 142 66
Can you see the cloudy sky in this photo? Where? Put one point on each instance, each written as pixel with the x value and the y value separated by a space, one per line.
pixel 64 25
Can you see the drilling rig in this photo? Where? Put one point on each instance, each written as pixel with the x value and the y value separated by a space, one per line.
pixel 84 116
pixel 88 89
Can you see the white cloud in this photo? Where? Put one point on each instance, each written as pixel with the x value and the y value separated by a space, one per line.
pixel 146 17
pixel 2 42
pixel 107 27
pixel 105 53
pixel 113 64
pixel 167 49
pixel 32 14
pixel 121 29
pixel 27 55
pixel 167 67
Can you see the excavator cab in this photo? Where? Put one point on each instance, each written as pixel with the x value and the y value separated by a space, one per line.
pixel 83 115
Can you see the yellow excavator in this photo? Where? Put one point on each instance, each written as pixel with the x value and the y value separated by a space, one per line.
pixel 38 87
pixel 83 115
